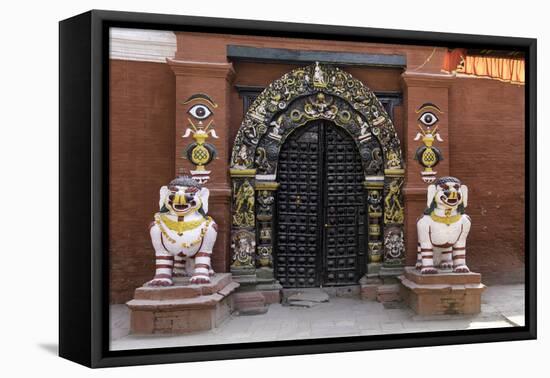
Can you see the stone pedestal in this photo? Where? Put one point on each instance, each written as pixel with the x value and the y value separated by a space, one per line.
pixel 442 293
pixel 380 288
pixel 250 303
pixel 182 308
pixel 270 291
pixel 369 287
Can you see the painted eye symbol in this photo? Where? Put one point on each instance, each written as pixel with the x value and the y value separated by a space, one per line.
pixel 200 111
pixel 428 118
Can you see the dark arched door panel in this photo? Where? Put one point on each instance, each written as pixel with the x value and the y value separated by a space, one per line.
pixel 321 214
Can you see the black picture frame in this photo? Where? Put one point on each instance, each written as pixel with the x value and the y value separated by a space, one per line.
pixel 84 189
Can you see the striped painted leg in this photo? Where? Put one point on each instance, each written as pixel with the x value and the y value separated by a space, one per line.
pixel 201 273
pixel 446 259
pixel 163 272
pixel 459 260
pixel 427 254
pixel 179 265
pixel 418 265
pixel 425 245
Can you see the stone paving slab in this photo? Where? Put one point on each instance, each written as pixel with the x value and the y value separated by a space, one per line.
pixel 315 296
pixel 502 306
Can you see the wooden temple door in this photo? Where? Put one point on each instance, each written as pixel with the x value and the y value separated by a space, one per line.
pixel 321 209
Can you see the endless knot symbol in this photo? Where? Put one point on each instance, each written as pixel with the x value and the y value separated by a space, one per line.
pixel 200 155
pixel 428 157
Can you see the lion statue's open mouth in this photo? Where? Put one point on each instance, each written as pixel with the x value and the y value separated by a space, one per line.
pixel 451 196
pixel 181 207
pixel 182 202
pixel 451 201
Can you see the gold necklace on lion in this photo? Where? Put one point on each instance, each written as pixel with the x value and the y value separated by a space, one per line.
pixel 181 227
pixel 448 219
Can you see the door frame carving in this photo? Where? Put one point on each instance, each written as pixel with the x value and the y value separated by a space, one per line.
pixel 317 91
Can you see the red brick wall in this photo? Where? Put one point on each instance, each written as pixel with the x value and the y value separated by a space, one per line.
pixel 141 160
pixel 487 137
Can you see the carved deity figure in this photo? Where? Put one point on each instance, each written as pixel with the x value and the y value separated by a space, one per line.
pixel 319 76
pixel 376 163
pixel 243 245
pixel 182 234
pixel 374 200
pixel 393 211
pixel 262 162
pixel 443 229
pixel 265 200
pixel 392 160
pixel 394 245
pixel 244 205
pixel 242 160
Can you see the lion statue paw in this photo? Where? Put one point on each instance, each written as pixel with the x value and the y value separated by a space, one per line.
pixel 156 282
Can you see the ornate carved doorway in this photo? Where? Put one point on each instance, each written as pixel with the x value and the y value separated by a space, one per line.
pixel 351 166
pixel 321 214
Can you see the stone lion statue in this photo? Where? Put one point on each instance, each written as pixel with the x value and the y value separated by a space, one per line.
pixel 443 229
pixel 182 234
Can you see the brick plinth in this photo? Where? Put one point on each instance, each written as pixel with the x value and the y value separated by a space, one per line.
pixel 388 293
pixel 443 293
pixel 182 308
pixel 369 291
pixel 271 296
pixel 250 303
pixel 381 290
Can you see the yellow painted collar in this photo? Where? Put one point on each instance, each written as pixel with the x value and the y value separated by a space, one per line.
pixel 181 227
pixel 447 220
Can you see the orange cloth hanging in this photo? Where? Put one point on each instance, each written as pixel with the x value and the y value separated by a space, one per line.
pixel 506 69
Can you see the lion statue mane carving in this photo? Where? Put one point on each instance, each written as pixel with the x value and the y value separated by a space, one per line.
pixel 444 228
pixel 182 234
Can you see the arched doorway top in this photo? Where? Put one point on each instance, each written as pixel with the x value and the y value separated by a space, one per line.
pixel 308 81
